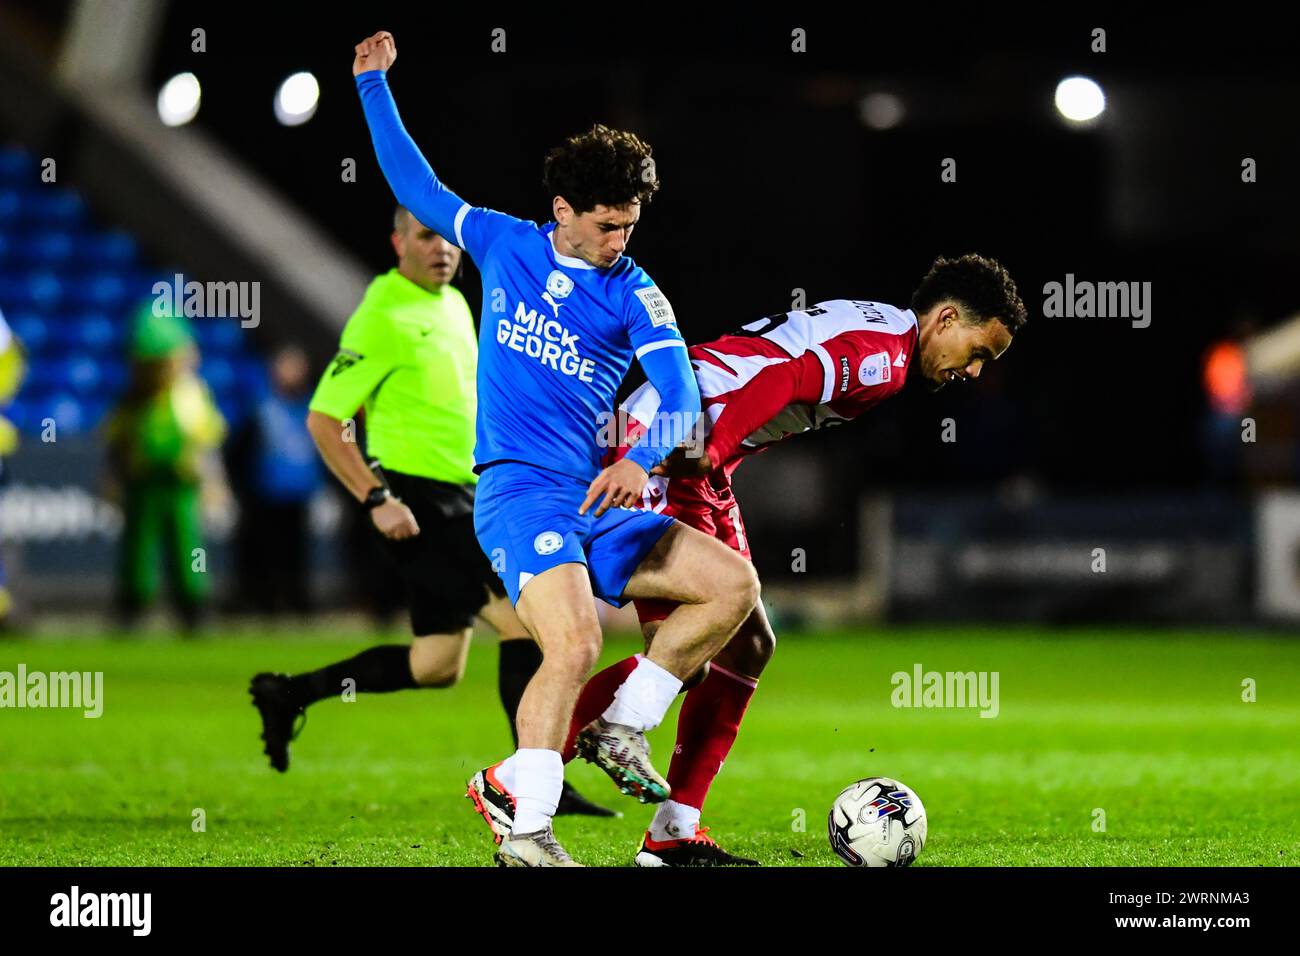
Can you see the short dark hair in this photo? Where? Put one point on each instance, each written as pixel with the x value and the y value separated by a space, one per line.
pixel 981 285
pixel 601 167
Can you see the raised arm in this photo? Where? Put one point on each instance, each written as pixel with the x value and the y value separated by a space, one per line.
pixel 408 173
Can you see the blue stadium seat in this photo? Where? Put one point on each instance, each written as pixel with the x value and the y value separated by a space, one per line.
pixel 109 249
pixel 97 332
pixel 69 289
pixel 18 413
pixel 46 373
pixel 67 410
pixel 30 327
pixel 103 290
pixel 47 206
pixel 40 249
pixel 64 340
pixel 31 290
pixel 82 375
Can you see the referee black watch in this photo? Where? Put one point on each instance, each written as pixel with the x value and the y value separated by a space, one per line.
pixel 376 497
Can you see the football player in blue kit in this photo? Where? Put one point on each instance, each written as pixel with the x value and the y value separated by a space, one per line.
pixel 564 313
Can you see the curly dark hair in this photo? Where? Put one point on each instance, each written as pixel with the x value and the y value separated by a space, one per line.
pixel 982 285
pixel 601 167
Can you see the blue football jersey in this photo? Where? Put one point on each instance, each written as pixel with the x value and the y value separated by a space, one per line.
pixel 556 338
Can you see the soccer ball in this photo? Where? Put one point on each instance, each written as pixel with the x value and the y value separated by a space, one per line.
pixel 877 822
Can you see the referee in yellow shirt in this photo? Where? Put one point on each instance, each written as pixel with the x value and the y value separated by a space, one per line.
pixel 408 356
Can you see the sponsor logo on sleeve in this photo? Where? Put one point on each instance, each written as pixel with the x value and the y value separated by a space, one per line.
pixel 656 304
pixel 345 359
pixel 875 369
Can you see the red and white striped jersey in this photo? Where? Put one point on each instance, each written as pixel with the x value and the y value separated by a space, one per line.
pixel 789 373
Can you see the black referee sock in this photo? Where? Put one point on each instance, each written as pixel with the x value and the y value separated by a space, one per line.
pixel 376 670
pixel 518 663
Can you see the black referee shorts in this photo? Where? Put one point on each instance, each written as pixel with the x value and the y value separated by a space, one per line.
pixel 446 573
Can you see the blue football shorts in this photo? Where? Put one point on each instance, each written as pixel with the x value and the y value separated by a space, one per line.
pixel 527 522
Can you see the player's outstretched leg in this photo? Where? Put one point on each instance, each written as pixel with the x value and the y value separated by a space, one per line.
pixel 716 589
pixel 706 730
pixel 597 694
pixel 436 660
pixel 279 713
pixel 622 751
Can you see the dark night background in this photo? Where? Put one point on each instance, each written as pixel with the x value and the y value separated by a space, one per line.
pixel 771 182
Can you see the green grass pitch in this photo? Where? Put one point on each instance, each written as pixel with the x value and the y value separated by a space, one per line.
pixel 1148 727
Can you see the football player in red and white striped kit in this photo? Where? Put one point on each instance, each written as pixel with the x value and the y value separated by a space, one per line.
pixel 778 377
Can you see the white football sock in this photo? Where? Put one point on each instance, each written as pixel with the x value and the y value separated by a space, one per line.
pixel 539 777
pixel 674 821
pixel 505 772
pixel 644 698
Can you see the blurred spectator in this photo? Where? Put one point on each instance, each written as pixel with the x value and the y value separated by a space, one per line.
pixel 161 438
pixel 276 472
pixel 12 369
pixel 1228 397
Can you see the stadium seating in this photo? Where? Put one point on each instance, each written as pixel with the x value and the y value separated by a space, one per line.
pixel 68 287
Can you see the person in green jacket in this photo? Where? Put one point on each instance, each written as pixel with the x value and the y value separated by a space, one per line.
pixel 161 440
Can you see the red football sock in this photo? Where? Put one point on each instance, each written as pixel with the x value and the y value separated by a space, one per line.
pixel 597 694
pixel 706 729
